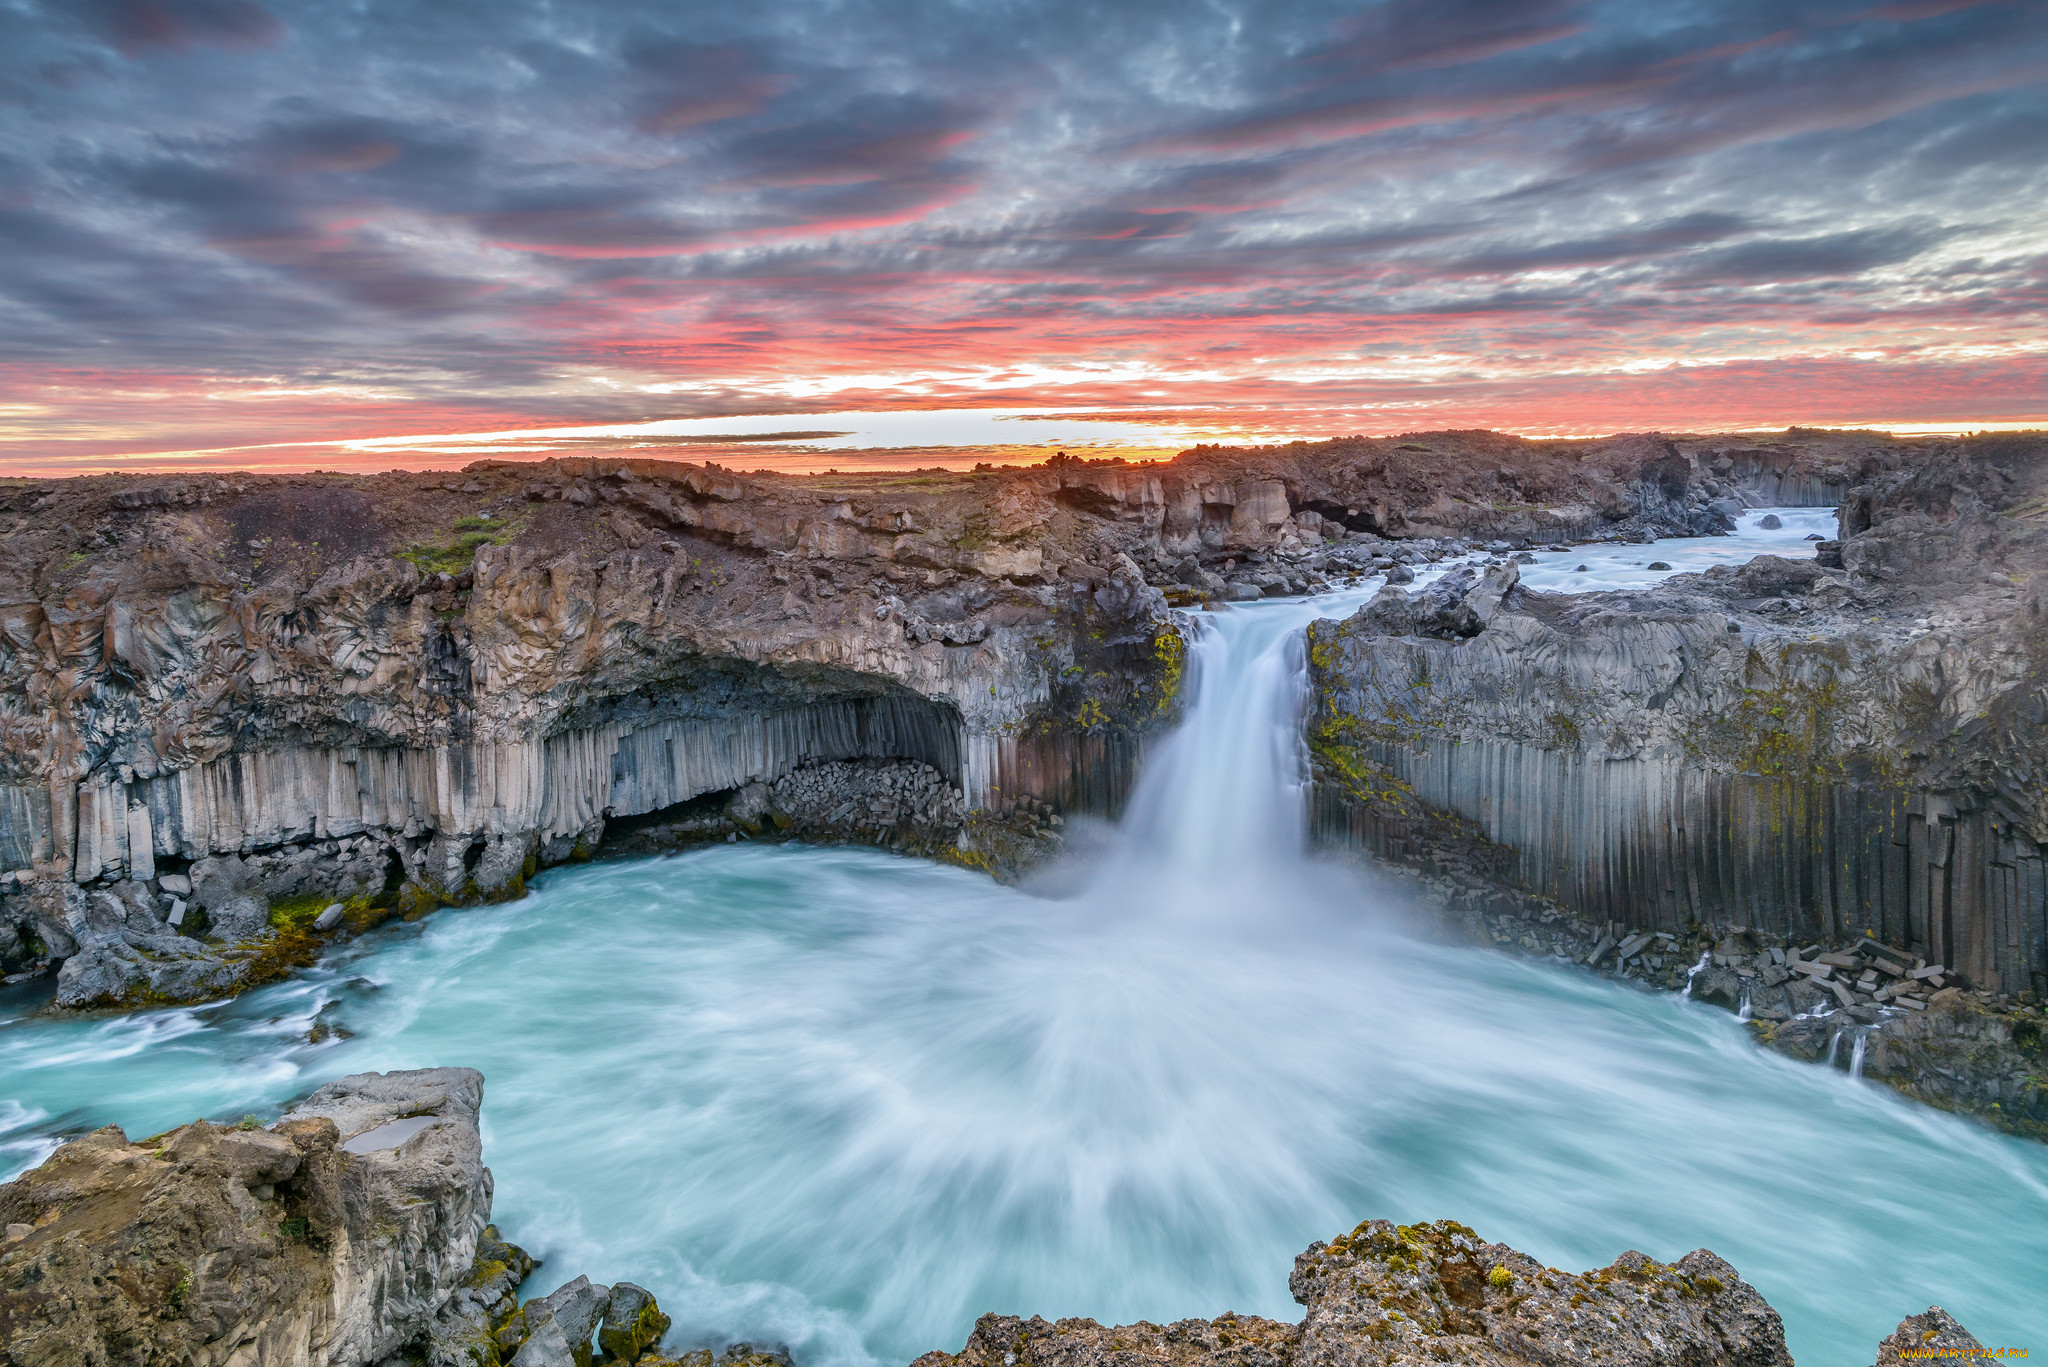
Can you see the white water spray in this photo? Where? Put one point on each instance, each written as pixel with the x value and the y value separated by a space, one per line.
pixel 1706 957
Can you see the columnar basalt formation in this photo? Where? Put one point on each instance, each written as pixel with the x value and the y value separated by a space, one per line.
pixel 1808 748
pixel 241 712
pixel 234 705
pixel 1832 753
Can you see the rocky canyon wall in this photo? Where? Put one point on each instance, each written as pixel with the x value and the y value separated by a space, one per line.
pixel 230 705
pixel 1816 749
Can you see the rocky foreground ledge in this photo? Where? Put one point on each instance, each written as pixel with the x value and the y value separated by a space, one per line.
pixel 1388 1294
pixel 355 1231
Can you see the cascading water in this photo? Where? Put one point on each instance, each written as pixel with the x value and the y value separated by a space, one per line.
pixel 1706 958
pixel 1223 800
pixel 849 1101
pixel 1856 1055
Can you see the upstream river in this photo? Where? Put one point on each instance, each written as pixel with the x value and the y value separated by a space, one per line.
pixel 846 1101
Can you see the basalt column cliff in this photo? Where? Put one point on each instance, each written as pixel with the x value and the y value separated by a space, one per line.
pixel 238 712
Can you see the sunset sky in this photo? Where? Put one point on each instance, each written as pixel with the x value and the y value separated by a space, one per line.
pixel 357 233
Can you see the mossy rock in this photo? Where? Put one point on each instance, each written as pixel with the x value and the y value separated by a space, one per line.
pixel 626 1344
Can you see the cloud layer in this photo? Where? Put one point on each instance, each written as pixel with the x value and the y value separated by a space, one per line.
pixel 225 222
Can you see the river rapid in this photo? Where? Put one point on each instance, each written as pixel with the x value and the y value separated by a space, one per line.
pixel 847 1101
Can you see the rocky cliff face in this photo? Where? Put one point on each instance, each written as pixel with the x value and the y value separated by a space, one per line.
pixel 242 704
pixel 1826 753
pixel 331 1238
pixel 240 713
pixel 1819 748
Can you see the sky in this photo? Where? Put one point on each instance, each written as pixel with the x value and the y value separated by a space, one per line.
pixel 355 233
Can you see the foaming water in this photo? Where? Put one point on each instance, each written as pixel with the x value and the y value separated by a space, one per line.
pixel 1628 567
pixel 849 1101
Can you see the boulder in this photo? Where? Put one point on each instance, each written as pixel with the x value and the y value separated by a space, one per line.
pixel 633 1323
pixel 1774 576
pixel 1457 606
pixel 1932 1334
pixel 224 1245
pixel 559 1325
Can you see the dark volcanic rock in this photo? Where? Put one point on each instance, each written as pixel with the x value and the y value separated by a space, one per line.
pixel 390 692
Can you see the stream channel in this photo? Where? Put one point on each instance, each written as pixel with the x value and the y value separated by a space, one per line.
pixel 846 1101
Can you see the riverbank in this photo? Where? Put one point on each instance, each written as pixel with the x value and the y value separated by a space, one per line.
pixel 1860 1006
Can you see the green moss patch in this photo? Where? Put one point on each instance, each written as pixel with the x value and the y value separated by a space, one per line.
pixel 452 552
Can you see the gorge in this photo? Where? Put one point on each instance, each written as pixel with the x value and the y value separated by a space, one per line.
pixel 903 1093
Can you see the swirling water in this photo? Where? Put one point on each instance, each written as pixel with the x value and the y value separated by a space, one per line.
pixel 848 1101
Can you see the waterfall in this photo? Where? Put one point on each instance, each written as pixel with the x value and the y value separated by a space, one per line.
pixel 1856 1054
pixel 1706 957
pixel 1222 804
pixel 1744 1012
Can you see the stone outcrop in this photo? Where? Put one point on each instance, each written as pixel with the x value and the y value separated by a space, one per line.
pixel 1932 1335
pixel 1389 1294
pixel 332 1237
pixel 355 1230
